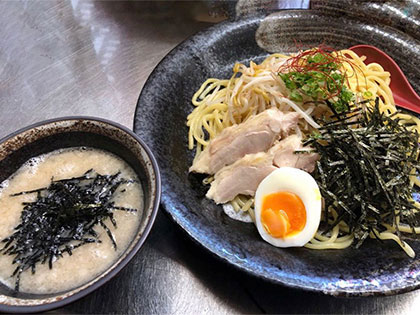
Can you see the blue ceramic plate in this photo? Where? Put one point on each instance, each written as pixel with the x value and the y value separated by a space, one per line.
pixel 160 120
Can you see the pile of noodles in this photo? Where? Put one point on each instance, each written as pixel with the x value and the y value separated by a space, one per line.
pixel 251 90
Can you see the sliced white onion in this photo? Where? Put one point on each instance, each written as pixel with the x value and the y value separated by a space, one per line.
pixel 236 215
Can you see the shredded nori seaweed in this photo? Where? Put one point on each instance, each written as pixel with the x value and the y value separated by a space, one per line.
pixel 366 160
pixel 63 218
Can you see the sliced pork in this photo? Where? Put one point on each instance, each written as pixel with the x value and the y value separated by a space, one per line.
pixel 242 177
pixel 284 154
pixel 257 134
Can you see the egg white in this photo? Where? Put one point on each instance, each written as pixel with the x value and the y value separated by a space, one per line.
pixel 303 185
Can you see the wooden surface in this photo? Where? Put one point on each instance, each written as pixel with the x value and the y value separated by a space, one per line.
pixel 61 58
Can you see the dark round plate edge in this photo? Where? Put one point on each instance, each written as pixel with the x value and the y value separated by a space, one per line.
pixel 51 306
pixel 336 293
pixel 179 47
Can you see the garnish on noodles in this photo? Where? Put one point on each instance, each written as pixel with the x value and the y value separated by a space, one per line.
pixel 365 175
pixel 319 110
pixel 314 75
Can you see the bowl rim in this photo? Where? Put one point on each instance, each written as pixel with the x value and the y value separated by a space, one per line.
pixel 155 207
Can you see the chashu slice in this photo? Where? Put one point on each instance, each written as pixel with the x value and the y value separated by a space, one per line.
pixel 242 177
pixel 284 154
pixel 257 134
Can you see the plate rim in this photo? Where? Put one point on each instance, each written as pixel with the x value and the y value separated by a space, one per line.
pixel 236 23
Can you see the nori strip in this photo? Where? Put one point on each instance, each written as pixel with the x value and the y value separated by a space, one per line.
pixel 62 219
pixel 368 168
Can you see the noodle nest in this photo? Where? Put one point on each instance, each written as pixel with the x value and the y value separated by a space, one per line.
pixel 253 89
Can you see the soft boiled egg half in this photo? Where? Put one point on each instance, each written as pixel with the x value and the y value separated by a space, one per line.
pixel 288 207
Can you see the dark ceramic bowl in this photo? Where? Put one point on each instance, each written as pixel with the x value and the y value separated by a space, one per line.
pixel 55 134
pixel 165 102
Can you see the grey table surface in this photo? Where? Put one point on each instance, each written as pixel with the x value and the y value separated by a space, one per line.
pixel 74 57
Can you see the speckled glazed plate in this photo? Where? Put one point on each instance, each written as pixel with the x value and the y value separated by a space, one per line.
pixel 165 102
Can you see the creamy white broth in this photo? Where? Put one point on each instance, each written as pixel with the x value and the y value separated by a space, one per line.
pixel 88 260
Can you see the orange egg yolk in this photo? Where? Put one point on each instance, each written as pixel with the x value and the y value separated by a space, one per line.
pixel 283 214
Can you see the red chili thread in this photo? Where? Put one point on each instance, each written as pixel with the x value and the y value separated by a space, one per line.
pixel 299 64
